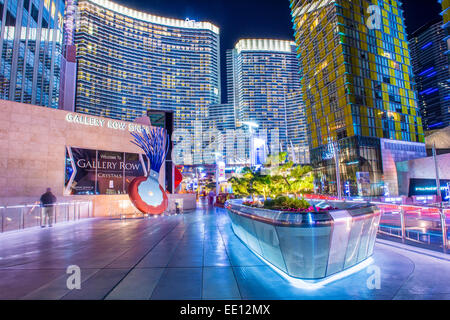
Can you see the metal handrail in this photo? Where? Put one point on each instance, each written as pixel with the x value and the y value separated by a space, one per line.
pixel 438 213
pixel 17 217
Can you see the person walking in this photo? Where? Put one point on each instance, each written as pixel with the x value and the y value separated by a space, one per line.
pixel 48 201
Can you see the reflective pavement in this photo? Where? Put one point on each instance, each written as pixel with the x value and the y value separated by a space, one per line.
pixel 189 256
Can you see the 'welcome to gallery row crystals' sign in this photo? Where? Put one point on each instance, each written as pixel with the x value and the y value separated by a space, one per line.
pixel 101 172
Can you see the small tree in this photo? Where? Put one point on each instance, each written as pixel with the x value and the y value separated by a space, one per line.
pixel 243 185
pixel 240 186
pixel 282 179
pixel 287 178
pixel 262 185
pixel 279 169
pixel 302 180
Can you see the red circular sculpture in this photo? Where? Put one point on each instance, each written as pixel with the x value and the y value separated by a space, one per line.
pixel 178 177
pixel 146 193
pixel 141 205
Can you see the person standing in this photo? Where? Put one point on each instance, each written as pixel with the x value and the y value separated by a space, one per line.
pixel 211 196
pixel 48 201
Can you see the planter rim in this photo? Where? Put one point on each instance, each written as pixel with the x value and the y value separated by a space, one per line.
pixel 298 219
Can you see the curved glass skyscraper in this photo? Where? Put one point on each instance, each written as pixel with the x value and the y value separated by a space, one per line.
pixel 264 86
pixel 130 62
pixel 430 65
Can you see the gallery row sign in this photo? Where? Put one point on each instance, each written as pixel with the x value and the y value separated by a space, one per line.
pixel 105 123
pixel 93 172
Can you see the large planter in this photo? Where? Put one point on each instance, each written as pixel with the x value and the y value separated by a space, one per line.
pixel 308 246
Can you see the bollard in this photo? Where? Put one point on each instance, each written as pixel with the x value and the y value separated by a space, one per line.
pixel 22 219
pixel 403 224
pixel 444 229
pixel 3 217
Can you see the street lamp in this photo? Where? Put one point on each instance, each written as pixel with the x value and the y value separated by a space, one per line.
pixel 338 171
pixel 439 194
pixel 218 162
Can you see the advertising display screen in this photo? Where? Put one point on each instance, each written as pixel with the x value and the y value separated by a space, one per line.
pixel 420 187
pixel 101 172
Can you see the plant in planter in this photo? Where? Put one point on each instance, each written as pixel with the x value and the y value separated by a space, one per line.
pixel 243 185
pixel 302 180
pixel 290 179
pixel 302 237
pixel 286 203
pixel 279 178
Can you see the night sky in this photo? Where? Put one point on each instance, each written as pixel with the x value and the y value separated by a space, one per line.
pixel 257 18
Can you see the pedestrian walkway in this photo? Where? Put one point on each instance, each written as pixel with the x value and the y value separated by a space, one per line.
pixel 189 256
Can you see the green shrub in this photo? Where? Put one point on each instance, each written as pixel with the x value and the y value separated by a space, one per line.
pixel 283 202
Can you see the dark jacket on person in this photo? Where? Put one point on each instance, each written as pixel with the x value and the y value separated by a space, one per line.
pixel 48 199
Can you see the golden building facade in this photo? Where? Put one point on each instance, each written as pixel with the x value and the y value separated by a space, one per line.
pixel 357 85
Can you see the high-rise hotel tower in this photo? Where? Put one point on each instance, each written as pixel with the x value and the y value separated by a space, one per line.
pixel 358 91
pixel 446 26
pixel 264 87
pixel 446 17
pixel 130 62
pixel 430 65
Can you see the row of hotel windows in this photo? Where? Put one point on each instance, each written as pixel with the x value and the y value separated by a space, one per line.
pixel 115 48
pixel 365 74
pixel 96 27
pixel 384 69
pixel 133 25
pixel 100 84
pixel 137 70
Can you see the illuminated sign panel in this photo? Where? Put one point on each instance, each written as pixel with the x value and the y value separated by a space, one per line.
pixel 423 187
pixel 90 172
pixel 104 123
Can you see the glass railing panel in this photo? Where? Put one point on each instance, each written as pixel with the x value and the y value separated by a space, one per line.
pixel 22 216
pixel 270 244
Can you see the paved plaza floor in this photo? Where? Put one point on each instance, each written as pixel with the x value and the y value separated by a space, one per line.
pixel 189 256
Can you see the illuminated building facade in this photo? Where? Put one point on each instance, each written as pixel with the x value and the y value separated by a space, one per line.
pixel 30 50
pixel 130 62
pixel 358 91
pixel 264 86
pixel 446 17
pixel 231 145
pixel 220 117
pixel 431 70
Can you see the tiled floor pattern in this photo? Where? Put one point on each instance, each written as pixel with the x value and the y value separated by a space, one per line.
pixel 190 256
